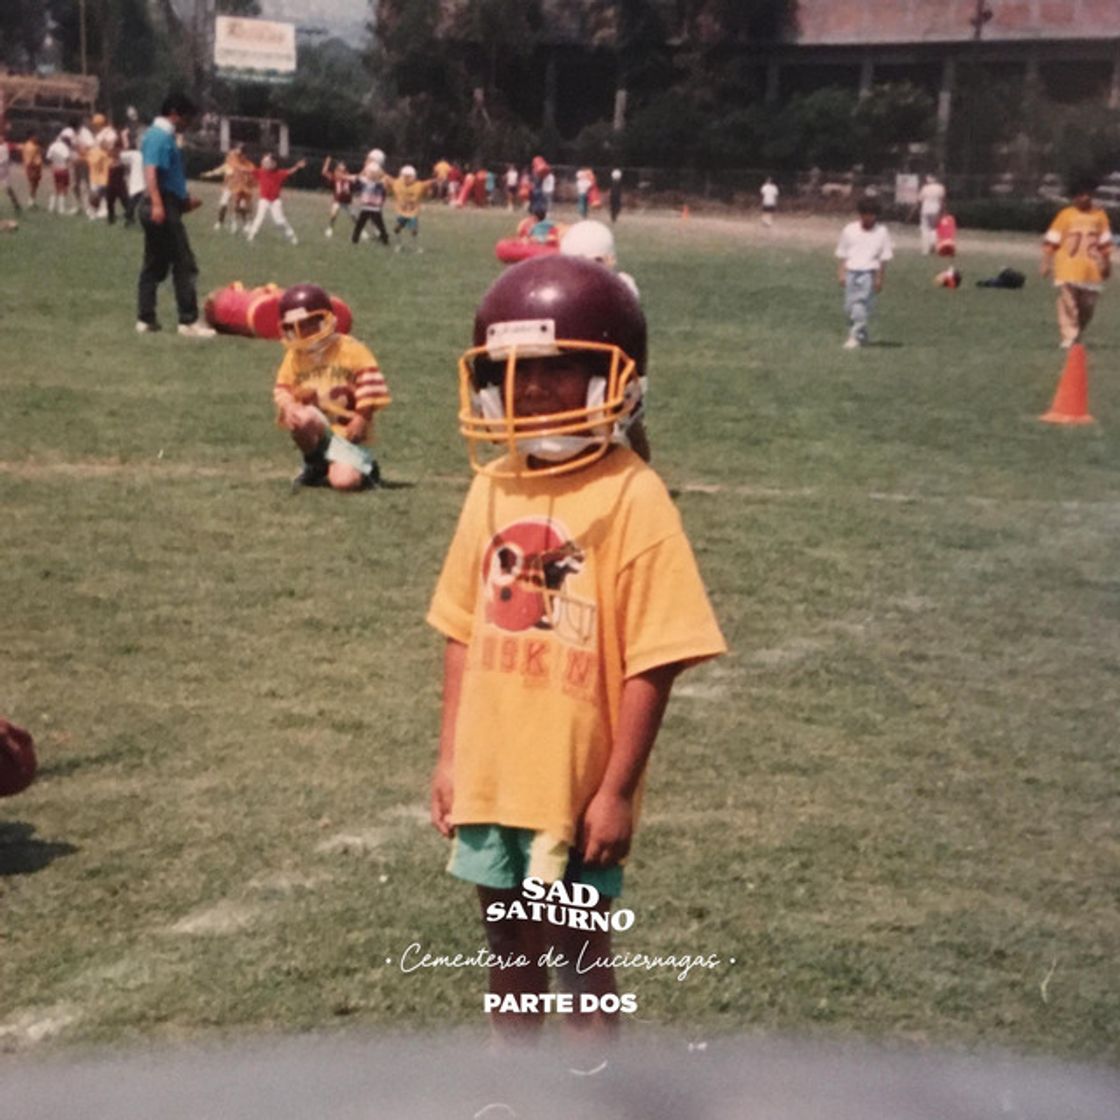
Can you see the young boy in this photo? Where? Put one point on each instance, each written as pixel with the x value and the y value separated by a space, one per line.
pixel 1077 249
pixel 931 202
pixel 408 192
pixel 570 600
pixel 60 155
pixel 341 182
pixel 327 389
pixel 5 174
pixel 32 154
pixel 864 249
pixel 232 171
pixel 769 193
pixel 371 201
pixel 270 181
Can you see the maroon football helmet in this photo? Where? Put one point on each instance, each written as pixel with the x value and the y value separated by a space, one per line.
pixel 553 307
pixel 307 316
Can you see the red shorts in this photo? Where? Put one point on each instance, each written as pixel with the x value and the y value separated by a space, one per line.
pixel 61 180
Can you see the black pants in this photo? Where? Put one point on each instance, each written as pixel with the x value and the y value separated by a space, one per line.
pixel 117 190
pixel 166 249
pixel 373 216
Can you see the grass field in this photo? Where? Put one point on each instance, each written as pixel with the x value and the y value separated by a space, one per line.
pixel 896 804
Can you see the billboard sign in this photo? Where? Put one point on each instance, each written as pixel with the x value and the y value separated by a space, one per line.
pixel 254 50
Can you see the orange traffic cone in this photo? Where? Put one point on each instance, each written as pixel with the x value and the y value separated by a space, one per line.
pixel 1071 401
pixel 684 213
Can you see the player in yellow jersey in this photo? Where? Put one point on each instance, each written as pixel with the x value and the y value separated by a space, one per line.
pixel 233 171
pixel 1077 250
pixel 328 388
pixel 408 192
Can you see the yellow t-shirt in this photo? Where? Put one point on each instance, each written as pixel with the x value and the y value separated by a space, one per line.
pixel 98 160
pixel 341 379
pixel 1079 238
pixel 408 196
pixel 561 588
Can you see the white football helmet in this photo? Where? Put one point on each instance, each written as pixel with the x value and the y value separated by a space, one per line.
pixel 590 240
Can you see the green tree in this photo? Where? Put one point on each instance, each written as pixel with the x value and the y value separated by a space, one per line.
pixel 890 116
pixel 130 53
pixel 327 103
pixel 23 32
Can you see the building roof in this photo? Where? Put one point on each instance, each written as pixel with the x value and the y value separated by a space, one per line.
pixel 858 22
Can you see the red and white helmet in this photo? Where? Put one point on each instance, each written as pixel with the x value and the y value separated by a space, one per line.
pixel 524 570
pixel 307 318
pixel 551 306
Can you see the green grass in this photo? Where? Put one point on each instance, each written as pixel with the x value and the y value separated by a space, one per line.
pixel 895 803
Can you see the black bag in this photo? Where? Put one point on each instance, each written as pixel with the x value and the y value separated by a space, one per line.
pixel 1005 278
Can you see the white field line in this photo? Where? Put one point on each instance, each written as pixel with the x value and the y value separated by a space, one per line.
pixel 100 468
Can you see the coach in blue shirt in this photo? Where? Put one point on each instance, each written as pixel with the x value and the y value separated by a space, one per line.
pixel 166 200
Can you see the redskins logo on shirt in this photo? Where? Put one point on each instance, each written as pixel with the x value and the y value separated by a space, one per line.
pixel 525 570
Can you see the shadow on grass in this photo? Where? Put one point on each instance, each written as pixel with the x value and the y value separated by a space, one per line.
pixel 883 345
pixel 22 854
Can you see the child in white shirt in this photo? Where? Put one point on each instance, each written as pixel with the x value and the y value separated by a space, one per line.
pixel 863 251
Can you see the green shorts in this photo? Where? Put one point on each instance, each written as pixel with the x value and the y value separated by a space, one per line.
pixel 494 855
pixel 412 223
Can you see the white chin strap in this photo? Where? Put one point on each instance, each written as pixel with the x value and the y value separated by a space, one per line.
pixel 552 448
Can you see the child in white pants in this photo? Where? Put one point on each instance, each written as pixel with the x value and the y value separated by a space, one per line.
pixel 270 181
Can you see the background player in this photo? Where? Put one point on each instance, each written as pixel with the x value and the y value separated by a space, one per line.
pixel 570 601
pixel 931 203
pixel 59 157
pixel 270 182
pixel 328 384
pixel 32 156
pixel 6 172
pixel 1077 249
pixel 863 249
pixel 342 192
pixel 408 193
pixel 769 193
pixel 232 171
pixel 372 193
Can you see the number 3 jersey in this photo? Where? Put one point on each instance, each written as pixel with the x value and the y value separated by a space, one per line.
pixel 561 588
pixel 1079 238
pixel 341 378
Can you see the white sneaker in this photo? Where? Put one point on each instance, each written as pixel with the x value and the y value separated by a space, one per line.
pixel 852 343
pixel 328 233
pixel 146 328
pixel 197 329
pixel 217 225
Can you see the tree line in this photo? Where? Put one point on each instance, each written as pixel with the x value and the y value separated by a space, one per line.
pixel 656 83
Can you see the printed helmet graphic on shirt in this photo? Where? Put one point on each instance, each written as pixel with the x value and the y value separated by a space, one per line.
pixel 524 571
